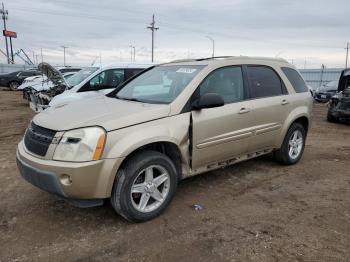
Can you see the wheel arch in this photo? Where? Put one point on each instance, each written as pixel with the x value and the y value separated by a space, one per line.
pixel 168 148
pixel 301 116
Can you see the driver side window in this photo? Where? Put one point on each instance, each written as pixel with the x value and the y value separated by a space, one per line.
pixel 226 82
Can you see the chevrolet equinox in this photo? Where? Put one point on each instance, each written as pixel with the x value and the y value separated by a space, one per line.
pixel 167 123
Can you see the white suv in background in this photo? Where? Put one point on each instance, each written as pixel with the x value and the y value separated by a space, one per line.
pixel 101 82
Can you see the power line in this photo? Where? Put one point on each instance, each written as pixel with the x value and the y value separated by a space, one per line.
pixel 173 27
pixel 153 28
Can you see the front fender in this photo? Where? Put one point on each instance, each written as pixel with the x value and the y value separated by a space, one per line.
pixel 173 129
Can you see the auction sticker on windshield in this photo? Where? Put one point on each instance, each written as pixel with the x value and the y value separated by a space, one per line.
pixel 186 70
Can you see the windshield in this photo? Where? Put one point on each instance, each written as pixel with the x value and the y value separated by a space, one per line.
pixel 159 85
pixel 332 84
pixel 80 76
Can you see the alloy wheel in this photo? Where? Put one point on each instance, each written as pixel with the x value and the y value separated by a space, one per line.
pixel 150 188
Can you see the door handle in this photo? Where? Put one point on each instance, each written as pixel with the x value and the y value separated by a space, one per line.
pixel 284 102
pixel 244 110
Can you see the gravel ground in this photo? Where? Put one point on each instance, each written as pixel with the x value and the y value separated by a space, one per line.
pixel 254 211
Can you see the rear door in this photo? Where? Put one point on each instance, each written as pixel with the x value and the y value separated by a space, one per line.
pixel 223 132
pixel 270 105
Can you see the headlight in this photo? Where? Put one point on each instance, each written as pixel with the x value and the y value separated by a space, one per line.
pixel 79 145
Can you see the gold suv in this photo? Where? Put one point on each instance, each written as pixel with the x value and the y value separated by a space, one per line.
pixel 170 122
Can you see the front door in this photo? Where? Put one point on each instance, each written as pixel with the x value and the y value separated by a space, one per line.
pixel 223 132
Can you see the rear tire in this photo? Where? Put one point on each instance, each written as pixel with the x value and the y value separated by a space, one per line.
pixel 144 186
pixel 293 145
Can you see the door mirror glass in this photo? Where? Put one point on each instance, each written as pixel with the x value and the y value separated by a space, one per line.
pixel 208 100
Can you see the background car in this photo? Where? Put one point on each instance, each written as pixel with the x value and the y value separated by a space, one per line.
pixel 38 79
pixel 14 79
pixel 325 92
pixel 339 105
pixel 101 82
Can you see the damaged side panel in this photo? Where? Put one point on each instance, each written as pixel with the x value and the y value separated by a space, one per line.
pixel 123 142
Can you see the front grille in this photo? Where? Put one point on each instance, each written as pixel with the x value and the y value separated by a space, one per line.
pixel 345 105
pixel 37 139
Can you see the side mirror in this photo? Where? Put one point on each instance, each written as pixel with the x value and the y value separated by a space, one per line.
pixel 208 100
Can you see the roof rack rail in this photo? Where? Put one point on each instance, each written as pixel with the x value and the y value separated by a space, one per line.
pixel 228 57
pixel 214 57
pixel 182 60
pixel 199 59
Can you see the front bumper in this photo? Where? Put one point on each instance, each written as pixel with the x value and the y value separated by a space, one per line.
pixel 88 180
pixel 340 114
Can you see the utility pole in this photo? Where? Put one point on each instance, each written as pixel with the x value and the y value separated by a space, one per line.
pixel 4 15
pixel 153 28
pixel 213 42
pixel 322 71
pixel 11 51
pixel 41 53
pixel 347 54
pixel 132 53
pixel 64 54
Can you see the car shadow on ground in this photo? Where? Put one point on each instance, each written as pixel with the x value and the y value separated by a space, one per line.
pixel 57 207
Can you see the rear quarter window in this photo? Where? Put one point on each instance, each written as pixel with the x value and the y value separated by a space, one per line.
pixel 295 79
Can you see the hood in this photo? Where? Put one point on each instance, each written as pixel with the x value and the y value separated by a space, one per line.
pixel 68 97
pixel 44 85
pixel 31 81
pixel 344 81
pixel 52 74
pixel 110 113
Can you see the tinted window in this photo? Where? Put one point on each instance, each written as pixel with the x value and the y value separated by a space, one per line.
pixel 226 82
pixel 66 70
pixel 264 81
pixel 106 79
pixel 33 73
pixel 130 72
pixel 295 79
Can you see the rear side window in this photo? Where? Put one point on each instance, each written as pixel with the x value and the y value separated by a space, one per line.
pixel 295 79
pixel 130 72
pixel 264 82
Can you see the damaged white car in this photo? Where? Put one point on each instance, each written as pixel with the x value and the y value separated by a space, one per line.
pixel 40 94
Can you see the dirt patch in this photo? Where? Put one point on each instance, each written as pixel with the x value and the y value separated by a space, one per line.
pixel 254 211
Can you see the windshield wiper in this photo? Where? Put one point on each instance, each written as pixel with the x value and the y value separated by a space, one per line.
pixel 129 99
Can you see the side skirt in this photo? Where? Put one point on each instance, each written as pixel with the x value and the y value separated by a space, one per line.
pixel 229 162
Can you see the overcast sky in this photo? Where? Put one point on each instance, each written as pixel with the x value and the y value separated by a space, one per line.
pixel 299 31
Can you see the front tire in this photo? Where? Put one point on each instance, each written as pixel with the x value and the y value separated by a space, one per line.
pixel 144 186
pixel 13 85
pixel 331 118
pixel 293 145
